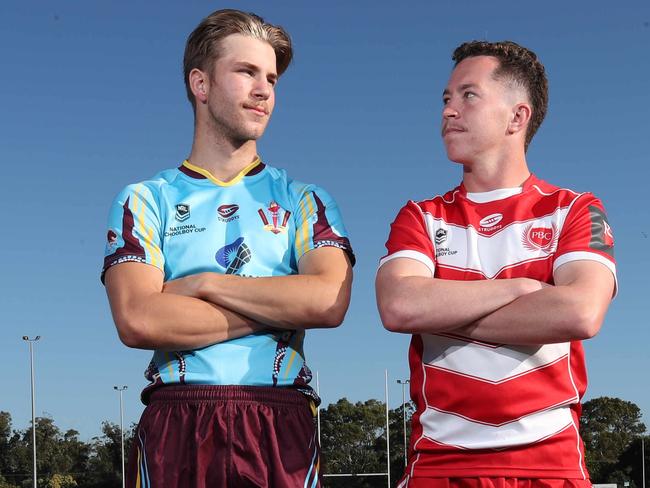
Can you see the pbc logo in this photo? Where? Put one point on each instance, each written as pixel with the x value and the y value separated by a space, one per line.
pixel 274 211
pixel 227 212
pixel 182 212
pixel 540 238
pixel 441 236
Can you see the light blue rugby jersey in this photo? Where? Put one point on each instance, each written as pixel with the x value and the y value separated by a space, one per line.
pixel 184 221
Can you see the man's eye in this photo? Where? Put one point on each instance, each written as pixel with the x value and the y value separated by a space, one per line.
pixel 469 94
pixel 445 100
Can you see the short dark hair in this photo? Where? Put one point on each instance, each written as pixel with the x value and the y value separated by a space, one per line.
pixel 518 65
pixel 202 48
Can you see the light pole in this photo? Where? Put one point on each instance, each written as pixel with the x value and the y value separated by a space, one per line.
pixel 121 389
pixel 404 383
pixel 31 364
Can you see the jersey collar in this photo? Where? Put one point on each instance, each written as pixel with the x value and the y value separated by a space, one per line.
pixel 197 172
pixel 499 193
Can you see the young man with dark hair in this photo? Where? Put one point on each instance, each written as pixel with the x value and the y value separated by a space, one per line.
pixel 219 266
pixel 499 281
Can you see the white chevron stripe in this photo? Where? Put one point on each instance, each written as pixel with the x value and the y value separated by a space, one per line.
pixel 486 362
pixel 469 249
pixel 457 431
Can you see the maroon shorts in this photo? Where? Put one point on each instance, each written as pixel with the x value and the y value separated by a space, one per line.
pixel 223 437
pixel 490 482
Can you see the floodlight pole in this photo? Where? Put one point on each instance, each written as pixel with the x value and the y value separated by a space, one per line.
pixel 121 390
pixel 31 367
pixel 404 383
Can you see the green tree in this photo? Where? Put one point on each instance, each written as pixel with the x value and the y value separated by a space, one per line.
pixel 608 427
pixel 105 463
pixel 396 424
pixel 5 437
pixel 350 437
pixel 353 440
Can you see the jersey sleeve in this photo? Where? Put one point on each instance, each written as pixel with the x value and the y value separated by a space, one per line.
pixel 319 223
pixel 586 235
pixel 134 229
pixel 409 238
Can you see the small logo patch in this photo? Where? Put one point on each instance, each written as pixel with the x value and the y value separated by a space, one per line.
pixel 182 212
pixel 228 210
pixel 491 220
pixel 233 256
pixel 441 236
pixel 539 238
pixel 274 211
pixel 111 238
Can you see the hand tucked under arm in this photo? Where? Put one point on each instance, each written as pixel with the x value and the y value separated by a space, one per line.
pixel 411 301
pixel 574 309
pixel 317 297
pixel 146 318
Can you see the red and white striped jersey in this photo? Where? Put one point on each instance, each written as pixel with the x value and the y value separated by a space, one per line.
pixel 495 409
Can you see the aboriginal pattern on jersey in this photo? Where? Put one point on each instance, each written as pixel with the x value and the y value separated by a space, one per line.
pixel 487 409
pixel 184 221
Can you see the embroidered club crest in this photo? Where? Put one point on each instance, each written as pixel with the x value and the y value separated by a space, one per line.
pixel 275 212
pixel 539 238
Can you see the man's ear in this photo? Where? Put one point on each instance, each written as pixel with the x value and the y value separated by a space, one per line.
pixel 521 114
pixel 199 84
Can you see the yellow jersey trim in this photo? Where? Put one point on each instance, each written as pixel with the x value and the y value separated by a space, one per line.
pixel 219 182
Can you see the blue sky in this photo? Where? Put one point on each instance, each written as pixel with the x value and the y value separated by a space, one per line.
pixel 92 98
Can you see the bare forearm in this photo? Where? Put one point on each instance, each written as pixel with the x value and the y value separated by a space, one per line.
pixel 166 321
pixel 553 314
pixel 417 304
pixel 295 301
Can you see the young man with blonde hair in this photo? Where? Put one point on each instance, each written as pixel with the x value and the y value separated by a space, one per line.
pixel 499 281
pixel 219 266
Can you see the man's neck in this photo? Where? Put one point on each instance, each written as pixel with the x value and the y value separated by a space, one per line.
pixel 223 158
pixel 488 175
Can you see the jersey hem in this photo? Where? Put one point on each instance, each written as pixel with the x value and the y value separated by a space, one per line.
pixel 508 472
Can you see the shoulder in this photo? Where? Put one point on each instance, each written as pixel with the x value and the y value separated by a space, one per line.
pixel 151 187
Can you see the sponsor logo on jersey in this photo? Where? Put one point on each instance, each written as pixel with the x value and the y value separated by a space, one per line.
pixel 441 236
pixel 183 229
pixel 111 238
pixel 271 218
pixel 233 256
pixel 602 238
pixel 539 238
pixel 489 223
pixel 227 212
pixel 609 236
pixel 182 212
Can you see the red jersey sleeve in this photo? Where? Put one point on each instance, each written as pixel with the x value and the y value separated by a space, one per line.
pixel 409 238
pixel 586 235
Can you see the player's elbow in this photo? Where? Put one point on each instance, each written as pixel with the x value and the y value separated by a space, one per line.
pixel 330 313
pixel 133 332
pixel 586 321
pixel 395 315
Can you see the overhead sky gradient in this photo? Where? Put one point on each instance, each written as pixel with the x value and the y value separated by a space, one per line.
pixel 92 98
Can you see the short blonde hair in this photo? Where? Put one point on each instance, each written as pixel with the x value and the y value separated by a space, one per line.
pixel 202 48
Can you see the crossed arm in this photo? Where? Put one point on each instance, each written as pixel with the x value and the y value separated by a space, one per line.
pixel 206 308
pixel 512 311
